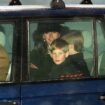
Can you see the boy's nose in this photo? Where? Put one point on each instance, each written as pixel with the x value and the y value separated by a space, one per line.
pixel 56 56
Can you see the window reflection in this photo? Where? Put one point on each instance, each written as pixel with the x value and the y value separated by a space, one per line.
pixel 101 48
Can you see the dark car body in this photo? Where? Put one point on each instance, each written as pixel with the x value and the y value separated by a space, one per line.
pixel 19 89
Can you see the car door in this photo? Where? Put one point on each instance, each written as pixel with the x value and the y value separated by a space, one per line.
pixel 73 91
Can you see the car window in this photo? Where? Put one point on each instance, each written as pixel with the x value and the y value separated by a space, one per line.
pixel 6 43
pixel 40 69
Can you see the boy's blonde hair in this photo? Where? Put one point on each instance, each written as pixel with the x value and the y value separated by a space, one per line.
pixel 75 37
pixel 4 63
pixel 58 44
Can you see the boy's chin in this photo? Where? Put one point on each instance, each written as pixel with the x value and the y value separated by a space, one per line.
pixel 58 63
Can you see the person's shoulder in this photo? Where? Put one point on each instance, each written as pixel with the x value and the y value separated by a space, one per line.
pixel 77 56
pixel 34 54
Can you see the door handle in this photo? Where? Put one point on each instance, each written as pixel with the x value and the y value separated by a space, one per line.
pixel 102 97
pixel 8 103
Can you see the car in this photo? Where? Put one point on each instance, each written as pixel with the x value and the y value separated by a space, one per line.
pixel 17 26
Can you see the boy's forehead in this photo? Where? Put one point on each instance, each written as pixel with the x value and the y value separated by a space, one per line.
pixel 58 50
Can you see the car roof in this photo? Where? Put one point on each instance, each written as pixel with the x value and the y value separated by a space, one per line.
pixel 40 10
pixel 34 7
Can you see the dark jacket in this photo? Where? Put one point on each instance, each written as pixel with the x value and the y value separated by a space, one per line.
pixel 43 62
pixel 78 61
pixel 36 58
pixel 38 54
pixel 64 71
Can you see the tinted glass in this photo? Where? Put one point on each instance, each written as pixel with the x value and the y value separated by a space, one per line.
pixel 41 64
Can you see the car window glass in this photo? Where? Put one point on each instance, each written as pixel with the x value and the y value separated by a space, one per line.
pixel 83 25
pixel 101 48
pixel 6 41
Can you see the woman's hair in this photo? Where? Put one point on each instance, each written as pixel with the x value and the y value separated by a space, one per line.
pixel 4 63
pixel 39 44
pixel 75 37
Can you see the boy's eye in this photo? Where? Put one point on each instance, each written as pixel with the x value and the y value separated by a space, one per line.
pixel 54 53
pixel 60 53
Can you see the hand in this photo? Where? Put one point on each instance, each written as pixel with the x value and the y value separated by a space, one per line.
pixel 33 66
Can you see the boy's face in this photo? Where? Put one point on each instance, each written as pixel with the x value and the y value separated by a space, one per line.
pixel 58 56
pixel 50 36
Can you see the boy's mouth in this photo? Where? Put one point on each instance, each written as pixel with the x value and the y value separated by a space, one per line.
pixel 57 61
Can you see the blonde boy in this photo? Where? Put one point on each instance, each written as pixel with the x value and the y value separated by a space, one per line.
pixel 76 42
pixel 61 68
pixel 59 51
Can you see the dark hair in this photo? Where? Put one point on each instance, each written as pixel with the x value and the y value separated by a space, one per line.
pixel 46 27
pixel 37 35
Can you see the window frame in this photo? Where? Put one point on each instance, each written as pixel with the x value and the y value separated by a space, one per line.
pixel 94 35
pixel 16 55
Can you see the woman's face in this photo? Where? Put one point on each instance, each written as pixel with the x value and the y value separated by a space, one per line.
pixel 50 36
